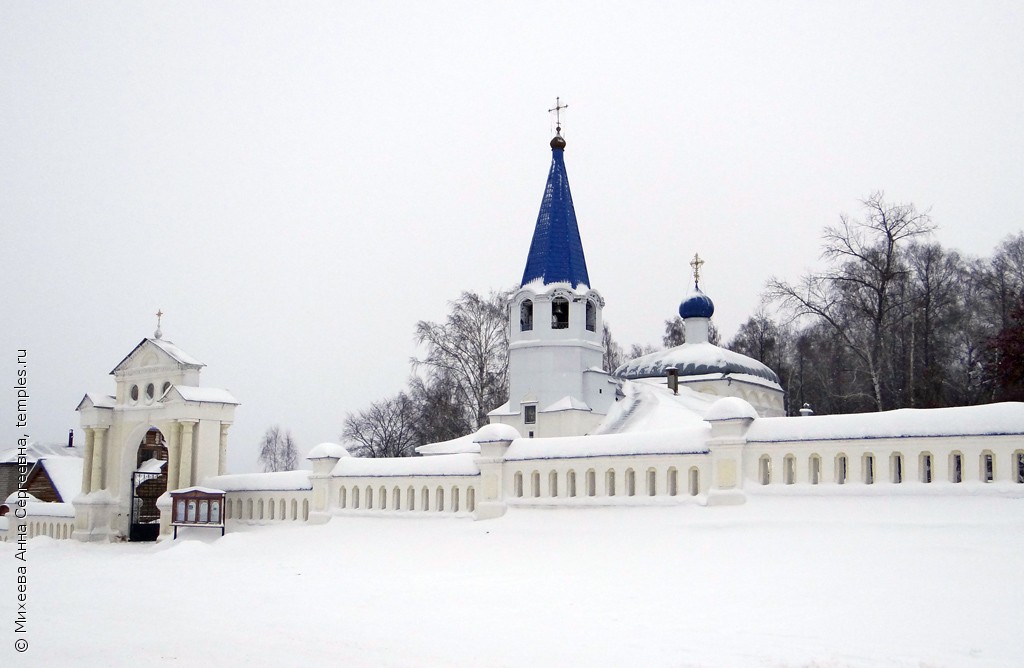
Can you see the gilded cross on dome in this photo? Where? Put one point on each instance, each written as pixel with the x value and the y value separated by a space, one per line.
pixel 696 263
pixel 558 113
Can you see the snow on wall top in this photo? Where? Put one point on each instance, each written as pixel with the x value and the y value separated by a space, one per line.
pixel 680 440
pixel 43 509
pixel 258 482
pixel 989 419
pixel 437 465
pixel 492 433
pixel 453 446
pixel 730 408
pixel 694 359
pixel 328 451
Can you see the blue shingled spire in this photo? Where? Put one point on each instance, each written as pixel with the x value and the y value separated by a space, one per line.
pixel 556 252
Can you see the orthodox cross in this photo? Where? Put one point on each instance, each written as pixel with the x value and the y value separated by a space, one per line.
pixel 696 263
pixel 558 113
pixel 159 315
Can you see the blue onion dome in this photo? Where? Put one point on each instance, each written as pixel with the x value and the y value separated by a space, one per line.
pixel 696 305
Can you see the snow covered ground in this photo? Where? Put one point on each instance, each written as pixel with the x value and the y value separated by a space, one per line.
pixel 781 581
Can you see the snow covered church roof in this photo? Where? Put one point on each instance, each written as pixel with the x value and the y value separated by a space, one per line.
pixel 556 251
pixel 695 359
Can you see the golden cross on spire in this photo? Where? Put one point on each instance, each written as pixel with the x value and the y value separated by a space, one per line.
pixel 558 113
pixel 696 263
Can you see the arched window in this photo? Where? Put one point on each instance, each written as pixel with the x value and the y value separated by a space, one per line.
pixel 355 497
pixel 368 495
pixel 1019 465
pixel 559 313
pixel 694 481
pixel 248 507
pixel 259 506
pixel 814 469
pixel 925 466
pixel 553 484
pixel 440 499
pixel 988 466
pixel 896 468
pixel 526 316
pixel 841 469
pixel 570 483
pixel 282 509
pixel 273 509
pixel 295 509
pixel 342 497
pixel 672 481
pixel 535 484
pixel 630 482
pixel 305 510
pixel 471 499
pixel 425 499
pixel 869 468
pixel 956 467
pixel 517 484
pixel 789 469
pixel 591 483
pixel 591 316
pixel 382 498
pixel 410 499
pixel 609 482
pixel 229 514
pixel 764 469
pixel 652 482
pixel 396 499
pixel 455 499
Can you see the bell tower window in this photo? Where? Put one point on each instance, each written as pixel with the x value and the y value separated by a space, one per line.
pixel 591 316
pixel 530 414
pixel 559 313
pixel 526 316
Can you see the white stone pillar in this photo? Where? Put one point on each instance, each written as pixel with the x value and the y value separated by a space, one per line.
pixel 99 452
pixel 222 461
pixel 173 454
pixel 185 474
pixel 87 468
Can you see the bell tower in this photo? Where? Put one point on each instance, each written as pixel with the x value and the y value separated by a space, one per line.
pixel 556 384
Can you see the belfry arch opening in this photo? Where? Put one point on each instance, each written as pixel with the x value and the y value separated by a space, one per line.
pixel 148 483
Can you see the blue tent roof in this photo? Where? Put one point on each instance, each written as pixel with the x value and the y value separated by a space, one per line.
pixel 556 252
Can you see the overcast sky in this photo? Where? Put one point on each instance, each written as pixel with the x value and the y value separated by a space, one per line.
pixel 296 184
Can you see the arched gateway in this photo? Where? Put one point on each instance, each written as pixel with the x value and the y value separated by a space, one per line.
pixel 160 431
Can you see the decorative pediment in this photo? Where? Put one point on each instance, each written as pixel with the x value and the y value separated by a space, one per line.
pixel 157 353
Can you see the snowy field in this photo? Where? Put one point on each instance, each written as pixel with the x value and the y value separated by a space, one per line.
pixel 824 582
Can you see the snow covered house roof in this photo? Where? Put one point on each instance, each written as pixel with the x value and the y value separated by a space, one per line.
pixel 449 447
pixel 35 451
pixel 556 250
pixel 988 419
pixel 176 354
pixel 696 359
pixel 648 405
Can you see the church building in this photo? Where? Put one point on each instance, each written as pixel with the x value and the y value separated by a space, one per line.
pixel 694 425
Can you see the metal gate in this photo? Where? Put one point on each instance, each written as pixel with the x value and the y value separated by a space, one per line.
pixel 146 489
